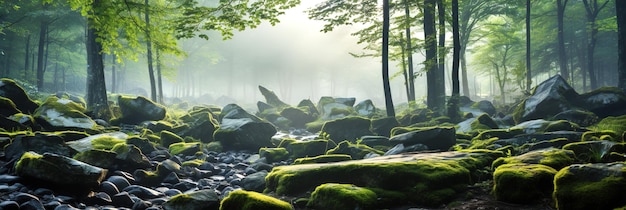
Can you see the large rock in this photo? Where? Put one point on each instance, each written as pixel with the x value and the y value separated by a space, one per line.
pixel 549 98
pixel 271 98
pixel 342 197
pixel 242 130
pixel 201 125
pixel 523 183
pixel 591 186
pixel 596 151
pixel 248 200
pixel 7 107
pixel 11 90
pixel 139 109
pixel 435 138
pixel 298 116
pixel 63 113
pixel 555 158
pixel 427 179
pixel 606 101
pixel 39 143
pixel 334 108
pixel 59 170
pixel 348 128
pixel 365 108
pixel 103 141
pixel 198 200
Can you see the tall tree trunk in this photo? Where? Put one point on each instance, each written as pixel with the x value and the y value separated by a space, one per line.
pixel 113 74
pixel 385 60
pixel 159 76
pixel 592 9
pixel 528 66
pixel 405 73
pixel 561 4
pixel 43 28
pixel 441 50
pixel 463 68
pixel 26 57
pixel 432 74
pixel 620 7
pixel 453 103
pixel 97 102
pixel 409 48
pixel 153 91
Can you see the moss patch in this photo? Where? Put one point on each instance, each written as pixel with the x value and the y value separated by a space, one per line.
pixel 342 197
pixel 616 124
pixel 274 154
pixel 310 148
pixel 186 149
pixel 590 186
pixel 356 151
pixel 106 142
pixel 248 200
pixel 555 158
pixel 522 183
pixel 323 159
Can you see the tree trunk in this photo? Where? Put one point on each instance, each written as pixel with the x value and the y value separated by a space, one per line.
pixel 620 7
pixel 528 66
pixel 432 74
pixel 26 58
pixel 405 74
pixel 97 102
pixel 113 74
pixel 464 80
pixel 593 9
pixel 409 48
pixel 561 4
pixel 159 77
pixel 43 28
pixel 153 91
pixel 441 15
pixel 453 103
pixel 385 60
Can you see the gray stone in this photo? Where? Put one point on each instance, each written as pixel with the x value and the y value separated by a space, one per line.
pixel 11 90
pixel 59 170
pixel 435 138
pixel 254 182
pixel 198 200
pixel 240 130
pixel 365 108
pixel 63 114
pixel 139 109
pixel 549 98
pixel 348 128
pixel 39 143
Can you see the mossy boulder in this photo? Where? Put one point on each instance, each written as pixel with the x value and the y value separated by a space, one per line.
pixel 347 128
pixel 274 154
pixel 498 133
pixel 145 145
pixel 365 108
pixel 200 125
pixel 38 142
pixel 522 183
pixel 197 200
pixel 59 171
pixel 356 151
pixel 323 159
pixel 103 141
pixel 342 197
pixel 383 126
pixel 185 149
pixel 248 200
pixel 616 124
pixel 298 117
pixel 603 135
pixel 334 108
pixel 435 138
pixel 427 179
pixel 12 91
pixel 240 130
pixel 595 151
pixel 547 99
pixel 591 186
pixel 61 114
pixel 271 98
pixel 154 178
pixel 477 124
pixel 562 125
pixel 139 109
pixel 169 138
pixel 555 158
pixel 605 101
pixel 580 117
pixel 7 107
pixel 309 148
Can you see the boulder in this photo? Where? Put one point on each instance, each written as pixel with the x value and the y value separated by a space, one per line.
pixel 59 170
pixel 7 107
pixel 547 99
pixel 103 141
pixel 334 108
pixel 347 128
pixel 523 183
pixel 185 149
pixel 552 157
pixel 298 116
pixel 365 108
pixel 435 138
pixel 356 151
pixel 342 197
pixel 323 159
pixel 309 148
pixel 242 130
pixel 254 182
pixel 604 102
pixel 430 179
pixel 578 116
pixel 596 151
pixel 274 154
pixel 271 98
pixel 201 125
pixel 248 200
pixel 591 186
pixel 11 90
pixel 139 109
pixel 383 126
pixel 60 114
pixel 39 142
pixel 309 104
pixel 198 200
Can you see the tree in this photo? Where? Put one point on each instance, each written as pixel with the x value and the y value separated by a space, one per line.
pixel 528 66
pixel 561 5
pixel 434 78
pixel 620 7
pixel 409 51
pixel 385 60
pixel 453 103
pixel 593 8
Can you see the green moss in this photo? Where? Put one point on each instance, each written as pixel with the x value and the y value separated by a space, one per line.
pixel 616 124
pixel 248 200
pixel 590 186
pixel 193 163
pixel 26 159
pixel 483 144
pixel 562 125
pixel 591 151
pixel 274 154
pixel 522 183
pixel 555 158
pixel 499 133
pixel 342 197
pixel 186 149
pixel 168 138
pixel 99 158
pixel 214 146
pixel 608 135
pixel 357 151
pixel 323 159
pixel 310 148
pixel 314 126
pixel 106 142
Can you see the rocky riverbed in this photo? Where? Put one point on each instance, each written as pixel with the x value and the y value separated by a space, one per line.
pixel 548 151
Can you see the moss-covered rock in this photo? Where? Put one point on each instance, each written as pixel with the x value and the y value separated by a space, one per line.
pixel 298 117
pixel 153 178
pixel 427 178
pixel 498 133
pixel 7 107
pixel 59 171
pixel 248 200
pixel 605 101
pixel 240 130
pixel 607 135
pixel 595 151
pixel 271 98
pixel 348 128
pixel 356 151
pixel 104 141
pixel 547 99
pixel 616 124
pixel 200 125
pixel 522 183
pixel 38 142
pixel 139 109
pixel 342 197
pixel 63 113
pixel 580 117
pixel 185 149
pixel 435 138
pixel 12 91
pixel 323 159
pixel 555 158
pixel 335 108
pixel 562 125
pixel 197 200
pixel 274 154
pixel 365 108
pixel 169 138
pixel 309 148
pixel 590 186
pixel 383 126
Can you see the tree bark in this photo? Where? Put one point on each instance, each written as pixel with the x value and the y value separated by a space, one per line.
pixel 620 7
pixel 96 98
pixel 441 50
pixel 113 74
pixel 453 103
pixel 528 66
pixel 385 60
pixel 153 91
pixel 26 57
pixel 434 101
pixel 43 28
pixel 561 4
pixel 159 77
pixel 409 48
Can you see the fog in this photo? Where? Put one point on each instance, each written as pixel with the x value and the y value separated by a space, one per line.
pixel 292 58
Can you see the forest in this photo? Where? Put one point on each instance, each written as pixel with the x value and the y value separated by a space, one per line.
pixel 252 104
